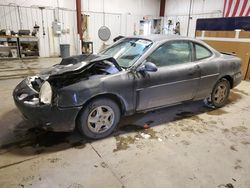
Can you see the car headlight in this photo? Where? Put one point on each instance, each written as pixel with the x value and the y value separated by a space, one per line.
pixel 45 94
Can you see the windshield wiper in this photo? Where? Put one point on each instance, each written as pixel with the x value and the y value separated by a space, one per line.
pixel 133 44
pixel 123 67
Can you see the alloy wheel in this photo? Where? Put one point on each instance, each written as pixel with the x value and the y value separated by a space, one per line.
pixel 220 93
pixel 100 119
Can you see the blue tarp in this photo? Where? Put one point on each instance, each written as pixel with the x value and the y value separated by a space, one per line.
pixel 223 24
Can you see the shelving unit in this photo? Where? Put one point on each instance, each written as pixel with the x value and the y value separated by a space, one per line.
pixel 9 47
pixel 87 47
pixel 14 47
pixel 28 46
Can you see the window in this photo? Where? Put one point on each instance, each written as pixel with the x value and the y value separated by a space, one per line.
pixel 201 52
pixel 128 50
pixel 171 53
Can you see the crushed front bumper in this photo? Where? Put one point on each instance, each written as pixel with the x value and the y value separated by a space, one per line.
pixel 49 117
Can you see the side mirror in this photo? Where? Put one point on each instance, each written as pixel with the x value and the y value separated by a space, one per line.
pixel 148 67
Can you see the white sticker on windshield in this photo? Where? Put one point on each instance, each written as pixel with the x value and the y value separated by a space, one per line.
pixel 143 42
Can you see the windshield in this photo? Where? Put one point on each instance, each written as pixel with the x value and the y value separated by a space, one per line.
pixel 128 50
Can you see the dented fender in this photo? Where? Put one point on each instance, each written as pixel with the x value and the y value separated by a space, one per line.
pixel 78 94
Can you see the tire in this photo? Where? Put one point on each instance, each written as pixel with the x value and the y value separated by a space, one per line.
pixel 99 118
pixel 219 95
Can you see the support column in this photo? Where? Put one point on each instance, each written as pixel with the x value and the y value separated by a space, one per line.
pixel 162 8
pixel 79 18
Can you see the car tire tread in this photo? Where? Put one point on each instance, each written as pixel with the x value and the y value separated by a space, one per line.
pixel 83 116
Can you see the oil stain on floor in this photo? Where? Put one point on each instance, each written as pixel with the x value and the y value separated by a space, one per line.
pixel 124 142
pixel 217 112
pixel 234 96
pixel 187 115
pixel 240 91
pixel 39 141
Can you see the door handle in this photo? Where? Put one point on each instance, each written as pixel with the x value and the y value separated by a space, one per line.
pixel 191 73
pixel 193 70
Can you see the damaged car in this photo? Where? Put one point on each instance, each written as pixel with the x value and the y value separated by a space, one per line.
pixel 135 74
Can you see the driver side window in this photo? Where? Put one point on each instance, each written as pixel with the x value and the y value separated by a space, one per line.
pixel 171 53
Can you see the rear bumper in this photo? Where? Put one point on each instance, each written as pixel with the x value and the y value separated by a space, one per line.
pixel 48 117
pixel 237 79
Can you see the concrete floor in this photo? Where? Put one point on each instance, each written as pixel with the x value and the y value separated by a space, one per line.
pixel 185 146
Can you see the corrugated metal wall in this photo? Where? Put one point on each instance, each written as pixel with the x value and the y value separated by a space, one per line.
pixel 15 17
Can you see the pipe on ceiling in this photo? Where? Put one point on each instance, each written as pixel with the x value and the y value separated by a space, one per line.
pixel 79 17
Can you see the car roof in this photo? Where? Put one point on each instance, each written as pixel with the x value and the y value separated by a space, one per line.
pixel 159 37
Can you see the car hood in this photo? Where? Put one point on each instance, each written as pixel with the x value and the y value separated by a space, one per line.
pixel 77 64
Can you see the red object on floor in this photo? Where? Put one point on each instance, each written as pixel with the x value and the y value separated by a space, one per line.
pixel 146 126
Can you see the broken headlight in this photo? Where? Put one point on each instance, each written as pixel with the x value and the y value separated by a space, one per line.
pixel 45 94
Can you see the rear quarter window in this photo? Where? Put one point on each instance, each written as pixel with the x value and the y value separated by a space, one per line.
pixel 201 52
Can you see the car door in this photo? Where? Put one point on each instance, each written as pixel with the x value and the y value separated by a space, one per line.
pixel 175 80
pixel 209 67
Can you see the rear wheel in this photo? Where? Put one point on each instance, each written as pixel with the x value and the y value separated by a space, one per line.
pixel 219 94
pixel 99 118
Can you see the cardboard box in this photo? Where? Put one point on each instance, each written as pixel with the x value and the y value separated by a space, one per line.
pixel 222 34
pixel 198 33
pixel 244 34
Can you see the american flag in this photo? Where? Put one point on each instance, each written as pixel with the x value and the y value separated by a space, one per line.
pixel 233 8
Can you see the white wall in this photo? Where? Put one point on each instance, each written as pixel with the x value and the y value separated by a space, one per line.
pixel 135 7
pixel 178 10
pixel 120 16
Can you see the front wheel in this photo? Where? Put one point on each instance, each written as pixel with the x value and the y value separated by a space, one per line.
pixel 99 118
pixel 219 94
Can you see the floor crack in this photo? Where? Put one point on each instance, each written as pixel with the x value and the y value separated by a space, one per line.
pixel 19 162
pixel 95 150
pixel 108 166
